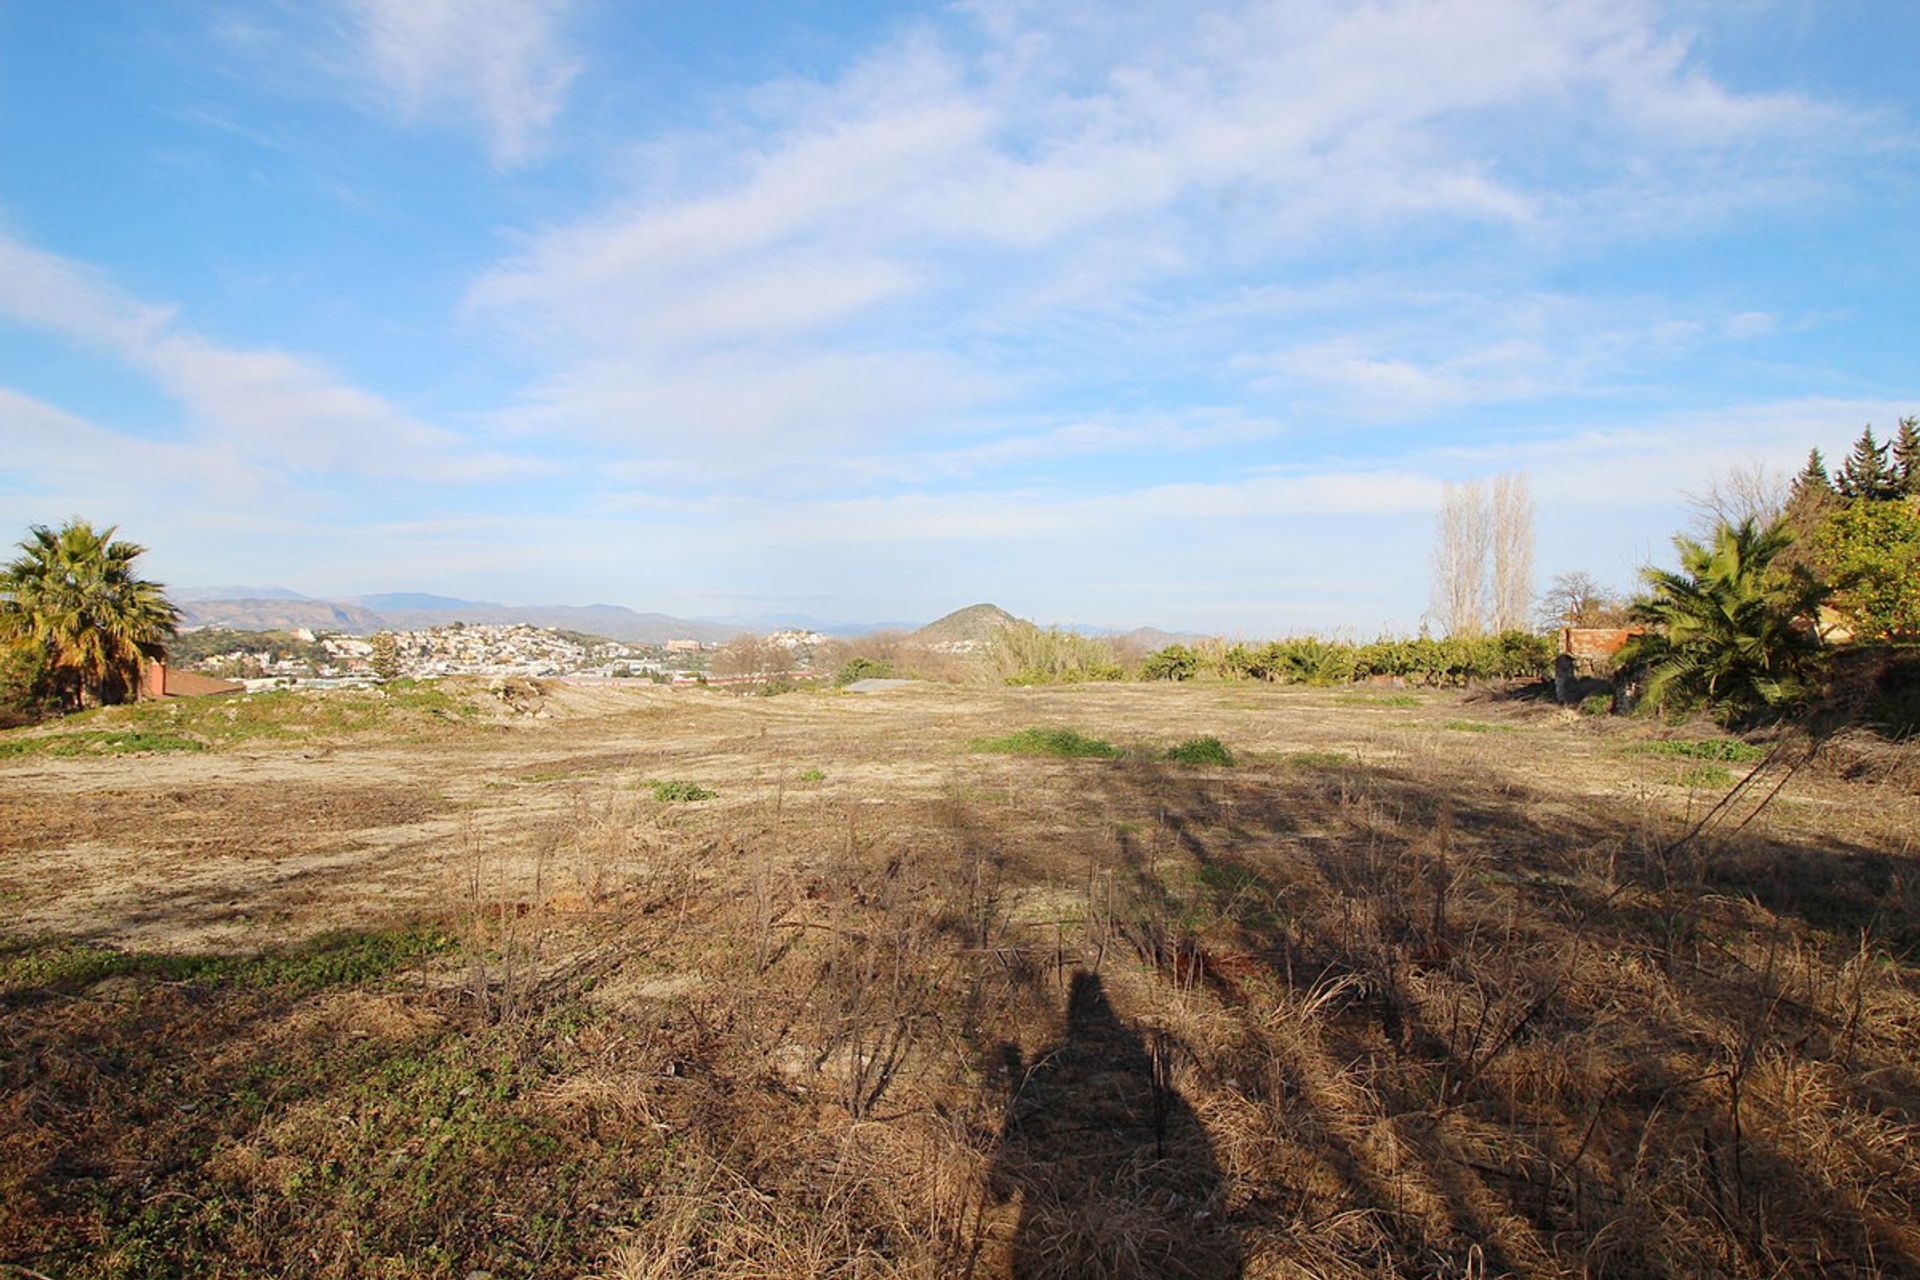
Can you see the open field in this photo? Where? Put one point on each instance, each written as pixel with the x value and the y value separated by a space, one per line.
pixel 599 981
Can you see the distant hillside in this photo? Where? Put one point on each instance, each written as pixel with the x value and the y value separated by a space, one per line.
pixel 278 615
pixel 410 611
pixel 194 594
pixel 616 622
pixel 402 600
pixel 974 624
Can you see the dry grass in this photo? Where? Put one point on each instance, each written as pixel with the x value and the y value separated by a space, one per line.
pixel 1453 1005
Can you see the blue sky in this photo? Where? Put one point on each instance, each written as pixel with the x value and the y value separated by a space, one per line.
pixel 1175 314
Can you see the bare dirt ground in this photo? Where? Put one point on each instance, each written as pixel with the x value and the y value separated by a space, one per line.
pixel 1425 983
pixel 263 844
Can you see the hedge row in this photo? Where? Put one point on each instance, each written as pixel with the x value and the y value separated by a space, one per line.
pixel 1510 655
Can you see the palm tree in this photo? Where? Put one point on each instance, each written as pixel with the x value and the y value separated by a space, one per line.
pixel 1730 628
pixel 73 597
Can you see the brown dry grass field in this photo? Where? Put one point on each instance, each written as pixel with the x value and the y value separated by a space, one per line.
pixel 447 982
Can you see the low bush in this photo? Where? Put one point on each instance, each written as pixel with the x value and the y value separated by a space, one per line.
pixel 1207 750
pixel 677 791
pixel 1175 662
pixel 863 668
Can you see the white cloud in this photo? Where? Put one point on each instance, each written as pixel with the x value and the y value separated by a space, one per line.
pixel 501 63
pixel 268 407
pixel 960 194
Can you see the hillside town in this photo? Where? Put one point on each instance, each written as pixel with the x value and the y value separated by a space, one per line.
pixel 307 658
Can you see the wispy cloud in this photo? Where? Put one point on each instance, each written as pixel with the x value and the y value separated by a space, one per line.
pixel 972 192
pixel 499 63
pixel 271 408
pixel 501 67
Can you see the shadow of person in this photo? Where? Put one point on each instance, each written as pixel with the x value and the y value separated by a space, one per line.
pixel 1115 1175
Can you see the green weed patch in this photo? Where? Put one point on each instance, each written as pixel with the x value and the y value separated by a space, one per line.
pixel 339 958
pixel 1478 726
pixel 125 742
pixel 1380 699
pixel 672 792
pixel 1724 750
pixel 1065 743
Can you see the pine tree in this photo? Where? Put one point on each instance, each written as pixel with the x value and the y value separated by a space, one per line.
pixel 1867 475
pixel 1814 479
pixel 1906 458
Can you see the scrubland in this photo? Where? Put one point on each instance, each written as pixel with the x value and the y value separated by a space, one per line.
pixel 1104 980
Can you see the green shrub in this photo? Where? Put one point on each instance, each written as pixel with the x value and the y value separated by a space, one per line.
pixel 1207 750
pixel 1235 662
pixel 676 791
pixel 814 775
pixel 1067 743
pixel 863 668
pixel 1871 551
pixel 1706 775
pixel 1596 704
pixel 1306 660
pixel 1453 660
pixel 1175 662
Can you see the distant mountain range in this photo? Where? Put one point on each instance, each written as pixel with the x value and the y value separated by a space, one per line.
pixel 280 609
pixel 410 610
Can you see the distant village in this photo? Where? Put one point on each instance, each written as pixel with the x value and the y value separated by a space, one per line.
pixel 307 658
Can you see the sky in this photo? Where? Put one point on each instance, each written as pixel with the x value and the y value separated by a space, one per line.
pixel 1173 314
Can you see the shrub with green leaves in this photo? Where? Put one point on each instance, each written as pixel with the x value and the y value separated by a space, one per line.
pixel 1207 750
pixel 1871 552
pixel 1175 662
pixel 1452 660
pixel 863 668
pixel 1306 660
